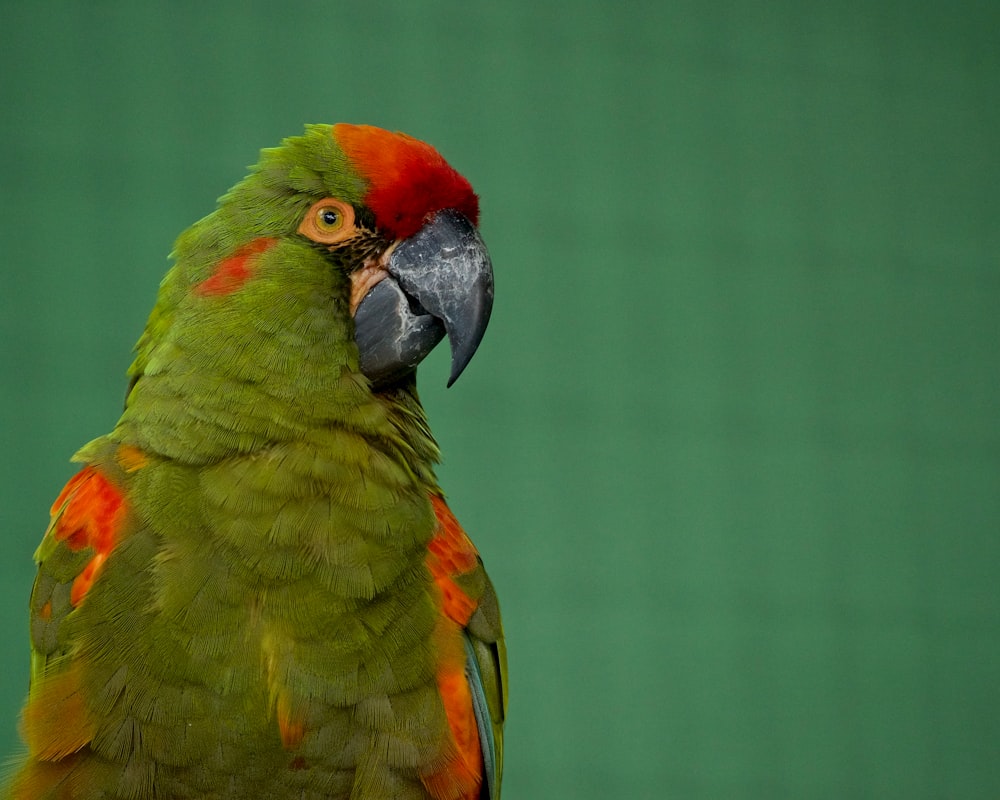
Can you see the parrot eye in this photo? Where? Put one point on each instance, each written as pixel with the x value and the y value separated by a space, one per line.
pixel 329 221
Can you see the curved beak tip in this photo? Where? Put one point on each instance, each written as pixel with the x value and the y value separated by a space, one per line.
pixel 466 330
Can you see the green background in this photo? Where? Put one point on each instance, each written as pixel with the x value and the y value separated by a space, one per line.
pixel 731 448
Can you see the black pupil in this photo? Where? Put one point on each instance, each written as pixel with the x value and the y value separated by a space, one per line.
pixel 330 217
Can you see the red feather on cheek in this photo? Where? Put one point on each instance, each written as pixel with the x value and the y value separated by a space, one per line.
pixel 408 179
pixel 231 273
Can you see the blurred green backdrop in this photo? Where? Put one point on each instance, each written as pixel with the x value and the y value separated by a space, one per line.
pixel 731 448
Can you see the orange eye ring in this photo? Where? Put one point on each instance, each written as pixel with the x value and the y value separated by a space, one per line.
pixel 328 221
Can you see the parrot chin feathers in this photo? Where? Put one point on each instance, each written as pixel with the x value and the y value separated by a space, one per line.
pixel 437 282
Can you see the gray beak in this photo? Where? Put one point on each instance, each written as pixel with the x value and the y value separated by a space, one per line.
pixel 440 282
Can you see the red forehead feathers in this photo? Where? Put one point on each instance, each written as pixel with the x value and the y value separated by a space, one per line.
pixel 408 179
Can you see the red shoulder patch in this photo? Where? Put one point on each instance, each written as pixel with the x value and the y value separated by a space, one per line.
pixel 232 273
pixel 88 513
pixel 408 179
pixel 451 553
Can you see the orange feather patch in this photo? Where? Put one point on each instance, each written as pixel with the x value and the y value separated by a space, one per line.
pixel 88 514
pixel 55 722
pixel 290 725
pixel 464 775
pixel 408 179
pixel 460 775
pixel 130 458
pixel 452 553
pixel 38 779
pixel 231 273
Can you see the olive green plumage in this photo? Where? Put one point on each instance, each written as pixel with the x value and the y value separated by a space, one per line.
pixel 266 624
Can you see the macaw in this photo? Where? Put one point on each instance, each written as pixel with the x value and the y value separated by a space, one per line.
pixel 254 586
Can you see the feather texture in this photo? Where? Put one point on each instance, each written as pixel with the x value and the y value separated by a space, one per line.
pixel 253 587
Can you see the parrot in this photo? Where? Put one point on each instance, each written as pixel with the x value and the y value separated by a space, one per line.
pixel 254 586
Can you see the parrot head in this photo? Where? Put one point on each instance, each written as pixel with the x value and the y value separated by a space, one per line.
pixel 436 278
pixel 349 248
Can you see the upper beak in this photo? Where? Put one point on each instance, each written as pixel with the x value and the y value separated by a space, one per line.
pixel 439 281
